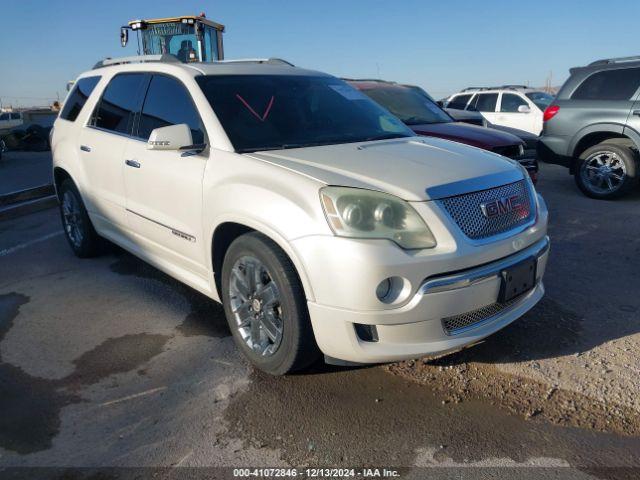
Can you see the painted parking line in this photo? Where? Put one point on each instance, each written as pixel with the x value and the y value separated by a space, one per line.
pixel 131 397
pixel 10 250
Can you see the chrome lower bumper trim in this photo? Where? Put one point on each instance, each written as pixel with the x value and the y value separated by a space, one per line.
pixel 474 275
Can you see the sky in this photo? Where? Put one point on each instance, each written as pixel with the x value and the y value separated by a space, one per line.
pixel 442 46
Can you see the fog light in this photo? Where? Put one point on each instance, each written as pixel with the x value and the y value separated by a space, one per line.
pixel 393 290
pixel 383 289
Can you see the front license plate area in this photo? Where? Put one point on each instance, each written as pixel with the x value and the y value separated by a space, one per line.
pixel 517 280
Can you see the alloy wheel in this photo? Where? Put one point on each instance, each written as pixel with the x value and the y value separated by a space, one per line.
pixel 72 216
pixel 603 172
pixel 255 303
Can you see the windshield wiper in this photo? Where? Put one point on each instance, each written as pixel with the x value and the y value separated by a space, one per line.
pixel 283 146
pixel 334 141
pixel 384 137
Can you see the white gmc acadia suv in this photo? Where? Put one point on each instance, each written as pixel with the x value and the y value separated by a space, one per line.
pixel 317 218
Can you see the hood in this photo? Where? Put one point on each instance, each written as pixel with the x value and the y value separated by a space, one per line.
pixel 481 137
pixel 413 169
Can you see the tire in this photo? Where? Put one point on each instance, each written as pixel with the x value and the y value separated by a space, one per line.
pixel 78 229
pixel 596 181
pixel 254 325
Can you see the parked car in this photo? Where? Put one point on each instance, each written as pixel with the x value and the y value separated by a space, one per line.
pixel 319 220
pixel 593 127
pixel 515 106
pixel 422 114
pixel 475 118
pixel 9 120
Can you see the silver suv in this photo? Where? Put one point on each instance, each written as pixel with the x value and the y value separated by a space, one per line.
pixel 593 127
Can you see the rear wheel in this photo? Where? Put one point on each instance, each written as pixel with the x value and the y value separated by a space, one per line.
pixel 266 307
pixel 607 171
pixel 82 237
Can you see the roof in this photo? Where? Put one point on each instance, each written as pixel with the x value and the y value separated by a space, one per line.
pixel 152 21
pixel 224 67
pixel 253 68
pixel 500 87
pixel 609 63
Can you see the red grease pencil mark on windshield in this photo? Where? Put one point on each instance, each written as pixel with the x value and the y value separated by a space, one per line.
pixel 266 112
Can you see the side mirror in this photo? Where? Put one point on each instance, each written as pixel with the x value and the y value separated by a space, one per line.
pixel 524 109
pixel 124 36
pixel 173 137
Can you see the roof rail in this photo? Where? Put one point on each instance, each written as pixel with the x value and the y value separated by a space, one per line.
pixel 498 87
pixel 137 59
pixel 270 61
pixel 606 61
pixel 366 80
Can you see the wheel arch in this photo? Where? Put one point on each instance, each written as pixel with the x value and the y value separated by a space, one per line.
pixel 59 176
pixel 595 134
pixel 230 228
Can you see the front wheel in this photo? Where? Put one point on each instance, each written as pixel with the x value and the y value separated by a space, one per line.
pixel 607 171
pixel 266 307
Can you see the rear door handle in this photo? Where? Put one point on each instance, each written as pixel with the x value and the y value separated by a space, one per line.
pixel 132 163
pixel 636 113
pixel 84 148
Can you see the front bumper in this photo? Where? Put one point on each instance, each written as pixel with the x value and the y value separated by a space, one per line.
pixel 417 328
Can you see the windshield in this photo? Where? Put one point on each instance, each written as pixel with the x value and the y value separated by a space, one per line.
pixel 541 99
pixel 408 105
pixel 271 112
pixel 179 39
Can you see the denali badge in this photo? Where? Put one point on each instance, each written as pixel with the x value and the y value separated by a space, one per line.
pixel 502 206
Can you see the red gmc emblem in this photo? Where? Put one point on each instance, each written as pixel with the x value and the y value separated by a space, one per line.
pixel 502 206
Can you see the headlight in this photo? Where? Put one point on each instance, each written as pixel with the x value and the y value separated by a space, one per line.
pixel 359 213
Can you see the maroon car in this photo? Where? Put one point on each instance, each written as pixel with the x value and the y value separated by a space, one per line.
pixel 426 118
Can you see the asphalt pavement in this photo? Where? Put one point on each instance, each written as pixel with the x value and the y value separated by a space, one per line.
pixel 108 362
pixel 22 170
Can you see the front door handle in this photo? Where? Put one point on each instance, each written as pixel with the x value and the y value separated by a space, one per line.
pixel 84 148
pixel 636 113
pixel 132 163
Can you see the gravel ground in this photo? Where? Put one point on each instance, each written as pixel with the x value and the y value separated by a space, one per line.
pixel 573 359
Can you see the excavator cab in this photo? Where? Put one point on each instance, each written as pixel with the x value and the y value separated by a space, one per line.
pixel 189 38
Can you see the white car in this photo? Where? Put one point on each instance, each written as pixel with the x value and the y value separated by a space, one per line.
pixel 9 120
pixel 318 219
pixel 512 106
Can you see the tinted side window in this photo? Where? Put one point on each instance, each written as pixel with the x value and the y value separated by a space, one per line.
pixel 120 101
pixel 15 116
pixel 487 102
pixel 459 102
pixel 511 102
pixel 618 84
pixel 5 116
pixel 78 97
pixel 169 103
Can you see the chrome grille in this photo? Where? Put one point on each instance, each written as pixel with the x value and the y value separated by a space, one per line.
pixel 453 325
pixel 466 212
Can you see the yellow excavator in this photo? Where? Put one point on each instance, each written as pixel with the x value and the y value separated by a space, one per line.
pixel 190 38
